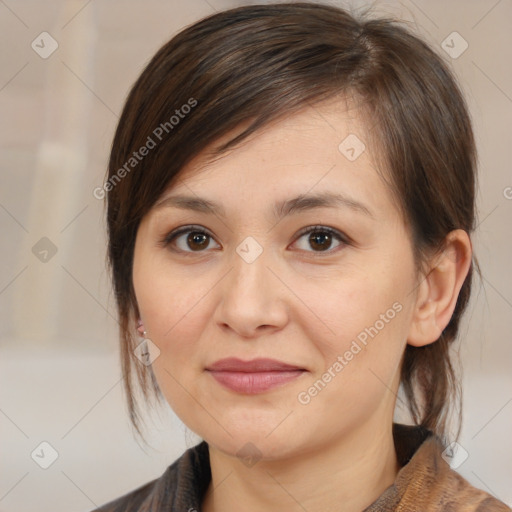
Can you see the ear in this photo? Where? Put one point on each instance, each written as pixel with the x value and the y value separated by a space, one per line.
pixel 438 291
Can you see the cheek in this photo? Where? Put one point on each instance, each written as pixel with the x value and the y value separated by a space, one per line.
pixel 368 314
pixel 359 306
pixel 170 305
pixel 360 363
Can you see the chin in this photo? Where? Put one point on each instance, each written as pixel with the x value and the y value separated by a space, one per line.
pixel 252 444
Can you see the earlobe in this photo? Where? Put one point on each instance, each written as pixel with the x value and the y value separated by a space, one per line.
pixel 438 291
pixel 140 327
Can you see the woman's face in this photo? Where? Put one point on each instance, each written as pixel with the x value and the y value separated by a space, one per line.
pixel 336 305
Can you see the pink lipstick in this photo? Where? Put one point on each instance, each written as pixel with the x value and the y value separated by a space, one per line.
pixel 255 376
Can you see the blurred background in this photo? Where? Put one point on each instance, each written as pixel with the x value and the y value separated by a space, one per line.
pixel 66 68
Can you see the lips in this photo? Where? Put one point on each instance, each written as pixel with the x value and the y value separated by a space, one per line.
pixel 232 364
pixel 255 376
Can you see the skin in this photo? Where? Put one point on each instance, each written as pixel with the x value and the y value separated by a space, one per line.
pixel 295 303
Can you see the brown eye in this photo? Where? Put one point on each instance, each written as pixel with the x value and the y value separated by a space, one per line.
pixel 320 239
pixel 197 240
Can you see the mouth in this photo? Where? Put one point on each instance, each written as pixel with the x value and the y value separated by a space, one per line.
pixel 255 376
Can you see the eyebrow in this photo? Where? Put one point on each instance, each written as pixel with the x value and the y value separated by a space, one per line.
pixel 281 209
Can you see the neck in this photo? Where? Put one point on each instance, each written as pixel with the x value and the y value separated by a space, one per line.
pixel 352 472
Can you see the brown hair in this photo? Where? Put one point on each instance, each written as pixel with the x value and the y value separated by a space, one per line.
pixel 258 63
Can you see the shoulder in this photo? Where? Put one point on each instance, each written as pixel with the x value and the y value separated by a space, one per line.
pixel 179 488
pixel 427 480
pixel 452 489
pixel 132 501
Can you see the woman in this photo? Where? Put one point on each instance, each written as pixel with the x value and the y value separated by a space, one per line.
pixel 290 203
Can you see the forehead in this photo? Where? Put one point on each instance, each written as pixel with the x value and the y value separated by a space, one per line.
pixel 321 149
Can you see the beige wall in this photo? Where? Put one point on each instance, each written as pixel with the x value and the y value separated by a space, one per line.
pixel 60 377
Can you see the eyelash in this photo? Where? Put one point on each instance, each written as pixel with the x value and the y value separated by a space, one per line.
pixel 341 237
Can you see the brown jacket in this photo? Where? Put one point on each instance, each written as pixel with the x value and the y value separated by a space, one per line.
pixel 425 483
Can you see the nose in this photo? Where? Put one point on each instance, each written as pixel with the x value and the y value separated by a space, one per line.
pixel 252 299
